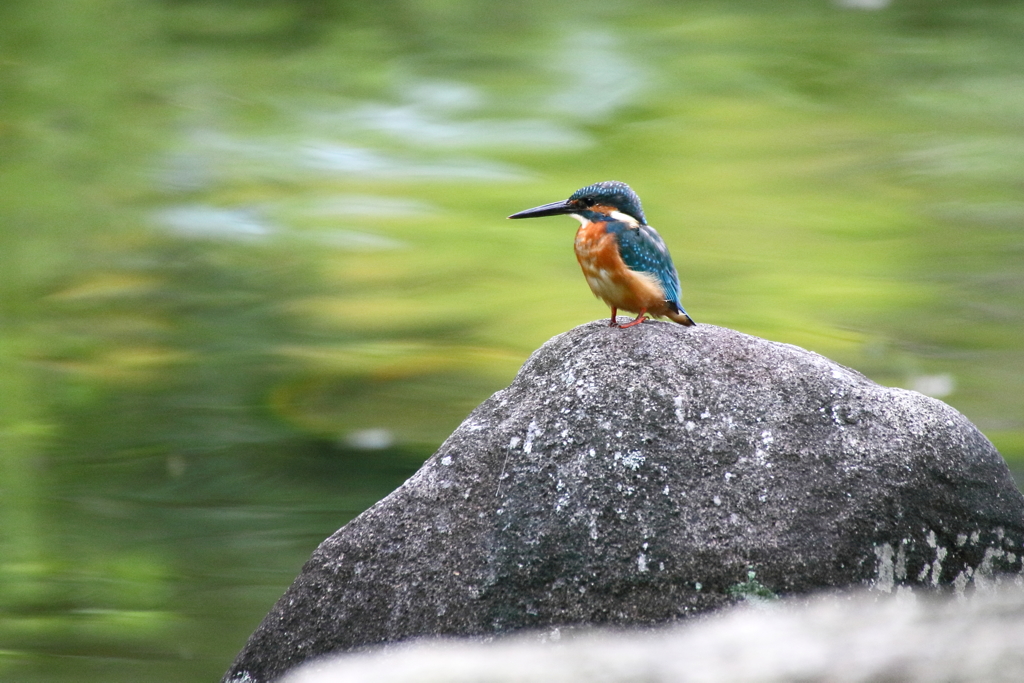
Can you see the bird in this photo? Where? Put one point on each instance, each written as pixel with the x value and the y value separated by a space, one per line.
pixel 624 260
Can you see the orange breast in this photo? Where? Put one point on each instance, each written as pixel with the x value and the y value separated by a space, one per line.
pixel 609 278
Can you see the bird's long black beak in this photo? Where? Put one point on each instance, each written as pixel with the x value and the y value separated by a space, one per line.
pixel 553 209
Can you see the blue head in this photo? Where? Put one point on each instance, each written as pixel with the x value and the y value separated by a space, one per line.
pixel 602 201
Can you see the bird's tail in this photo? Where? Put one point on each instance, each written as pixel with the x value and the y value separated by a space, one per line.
pixel 680 317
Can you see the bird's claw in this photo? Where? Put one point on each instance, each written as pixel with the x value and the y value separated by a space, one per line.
pixel 639 319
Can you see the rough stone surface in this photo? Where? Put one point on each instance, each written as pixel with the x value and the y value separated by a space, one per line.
pixel 830 640
pixel 638 476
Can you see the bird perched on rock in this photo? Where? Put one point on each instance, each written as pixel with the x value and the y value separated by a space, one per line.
pixel 625 261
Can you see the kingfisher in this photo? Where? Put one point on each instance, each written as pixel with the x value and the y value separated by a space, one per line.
pixel 625 261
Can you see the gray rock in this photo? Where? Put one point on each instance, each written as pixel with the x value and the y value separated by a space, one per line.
pixel 832 639
pixel 639 476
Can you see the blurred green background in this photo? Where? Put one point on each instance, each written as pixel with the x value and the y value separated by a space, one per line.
pixel 254 265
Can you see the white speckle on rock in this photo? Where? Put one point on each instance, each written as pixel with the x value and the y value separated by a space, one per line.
pixel 446 460
pixel 665 491
pixel 641 563
pixel 531 432
pixel 961 581
pixel 716 500
pixel 633 460
pixel 705 415
pixel 885 573
pixel 690 426
pixel 984 574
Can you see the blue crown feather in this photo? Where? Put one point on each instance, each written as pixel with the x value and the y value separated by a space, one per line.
pixel 612 193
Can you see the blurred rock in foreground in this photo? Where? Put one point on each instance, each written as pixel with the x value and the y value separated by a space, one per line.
pixel 639 476
pixel 859 639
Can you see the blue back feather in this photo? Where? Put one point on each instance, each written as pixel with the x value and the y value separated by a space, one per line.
pixel 642 249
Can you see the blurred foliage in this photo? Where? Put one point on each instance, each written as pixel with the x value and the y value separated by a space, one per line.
pixel 244 241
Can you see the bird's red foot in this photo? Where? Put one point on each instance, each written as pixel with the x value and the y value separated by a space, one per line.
pixel 639 319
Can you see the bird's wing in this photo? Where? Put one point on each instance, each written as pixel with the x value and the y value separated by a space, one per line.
pixel 643 250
